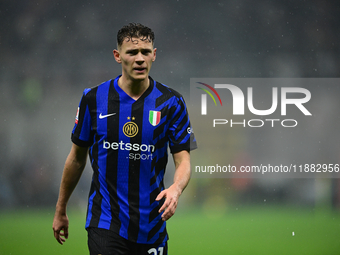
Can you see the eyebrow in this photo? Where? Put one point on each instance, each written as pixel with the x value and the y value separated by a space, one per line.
pixel 137 50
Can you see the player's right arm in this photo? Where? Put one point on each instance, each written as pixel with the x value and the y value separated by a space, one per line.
pixel 73 169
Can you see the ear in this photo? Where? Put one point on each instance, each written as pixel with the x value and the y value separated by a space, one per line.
pixel 154 54
pixel 117 56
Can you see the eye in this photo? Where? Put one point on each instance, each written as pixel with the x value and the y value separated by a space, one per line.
pixel 132 52
pixel 146 52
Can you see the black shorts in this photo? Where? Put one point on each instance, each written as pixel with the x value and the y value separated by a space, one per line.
pixel 105 242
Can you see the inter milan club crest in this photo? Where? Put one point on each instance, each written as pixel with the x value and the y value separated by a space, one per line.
pixel 130 129
pixel 154 117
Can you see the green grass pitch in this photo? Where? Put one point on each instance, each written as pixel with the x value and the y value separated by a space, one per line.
pixel 248 230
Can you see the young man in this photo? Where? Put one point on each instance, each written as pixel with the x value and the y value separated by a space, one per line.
pixel 126 125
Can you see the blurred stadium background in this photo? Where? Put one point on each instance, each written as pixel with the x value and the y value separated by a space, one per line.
pixel 51 51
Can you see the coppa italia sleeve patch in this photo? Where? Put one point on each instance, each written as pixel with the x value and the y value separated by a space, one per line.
pixel 77 115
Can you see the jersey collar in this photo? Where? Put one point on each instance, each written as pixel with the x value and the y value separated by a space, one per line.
pixel 126 98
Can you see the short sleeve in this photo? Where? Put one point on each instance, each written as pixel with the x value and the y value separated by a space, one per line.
pixel 81 133
pixel 181 136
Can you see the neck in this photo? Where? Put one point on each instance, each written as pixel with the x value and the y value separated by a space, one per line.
pixel 133 88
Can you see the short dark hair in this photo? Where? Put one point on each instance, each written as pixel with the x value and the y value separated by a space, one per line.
pixel 135 30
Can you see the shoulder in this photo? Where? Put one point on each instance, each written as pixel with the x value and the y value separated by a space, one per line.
pixel 167 94
pixel 167 90
pixel 92 92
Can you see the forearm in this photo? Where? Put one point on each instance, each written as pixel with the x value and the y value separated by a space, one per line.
pixel 183 171
pixel 73 169
pixel 181 180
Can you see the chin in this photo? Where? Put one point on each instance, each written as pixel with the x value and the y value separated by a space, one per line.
pixel 140 77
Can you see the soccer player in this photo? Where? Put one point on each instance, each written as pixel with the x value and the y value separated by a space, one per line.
pixel 126 126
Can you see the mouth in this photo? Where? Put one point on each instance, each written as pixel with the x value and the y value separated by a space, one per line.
pixel 139 69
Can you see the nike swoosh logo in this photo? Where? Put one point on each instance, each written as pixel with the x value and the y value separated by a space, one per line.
pixel 105 116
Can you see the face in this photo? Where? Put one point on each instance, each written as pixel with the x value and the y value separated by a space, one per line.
pixel 136 57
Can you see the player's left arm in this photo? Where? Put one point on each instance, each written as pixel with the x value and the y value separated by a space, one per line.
pixel 181 180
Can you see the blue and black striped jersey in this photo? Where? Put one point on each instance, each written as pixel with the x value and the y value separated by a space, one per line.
pixel 128 141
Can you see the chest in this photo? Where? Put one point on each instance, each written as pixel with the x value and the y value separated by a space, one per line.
pixel 140 123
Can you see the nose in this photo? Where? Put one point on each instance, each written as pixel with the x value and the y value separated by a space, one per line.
pixel 139 58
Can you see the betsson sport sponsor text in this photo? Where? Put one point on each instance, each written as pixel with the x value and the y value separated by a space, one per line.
pixel 147 149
